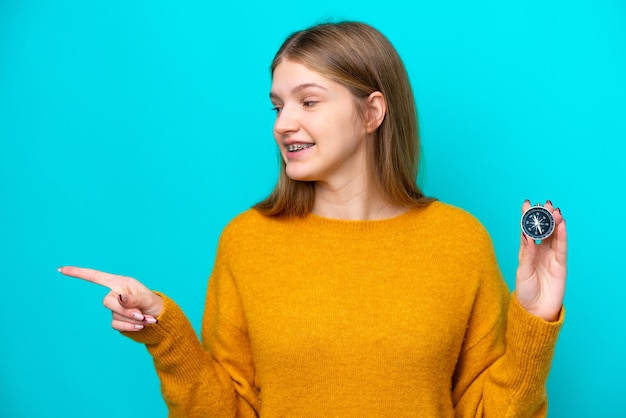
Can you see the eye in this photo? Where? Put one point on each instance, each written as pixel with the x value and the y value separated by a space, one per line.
pixel 309 103
pixel 276 109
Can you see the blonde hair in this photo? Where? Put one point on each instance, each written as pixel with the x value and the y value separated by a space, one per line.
pixel 363 60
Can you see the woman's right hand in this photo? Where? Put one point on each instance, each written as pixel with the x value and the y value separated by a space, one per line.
pixel 133 305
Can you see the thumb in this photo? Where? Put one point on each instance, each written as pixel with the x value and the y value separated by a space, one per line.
pixel 147 303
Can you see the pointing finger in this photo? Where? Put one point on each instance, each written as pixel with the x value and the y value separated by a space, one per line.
pixel 94 276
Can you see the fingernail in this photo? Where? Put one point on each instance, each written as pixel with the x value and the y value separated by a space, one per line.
pixel 548 202
pixel 138 326
pixel 138 316
pixel 527 201
pixel 123 299
pixel 558 210
pixel 150 320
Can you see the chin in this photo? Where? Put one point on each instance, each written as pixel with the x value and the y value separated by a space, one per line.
pixel 300 175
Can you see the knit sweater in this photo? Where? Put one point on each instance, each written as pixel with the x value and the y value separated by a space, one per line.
pixel 317 317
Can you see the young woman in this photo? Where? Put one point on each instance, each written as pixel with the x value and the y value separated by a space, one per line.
pixel 347 292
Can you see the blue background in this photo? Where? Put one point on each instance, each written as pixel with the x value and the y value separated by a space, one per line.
pixel 132 131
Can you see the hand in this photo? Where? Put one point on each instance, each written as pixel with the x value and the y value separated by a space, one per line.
pixel 133 305
pixel 540 281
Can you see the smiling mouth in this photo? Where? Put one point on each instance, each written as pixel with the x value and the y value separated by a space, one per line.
pixel 298 147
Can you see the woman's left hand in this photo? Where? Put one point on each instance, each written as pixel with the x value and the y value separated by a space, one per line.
pixel 540 280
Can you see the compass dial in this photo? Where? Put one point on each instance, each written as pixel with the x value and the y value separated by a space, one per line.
pixel 537 223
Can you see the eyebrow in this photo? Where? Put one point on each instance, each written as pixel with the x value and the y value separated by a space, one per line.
pixel 299 88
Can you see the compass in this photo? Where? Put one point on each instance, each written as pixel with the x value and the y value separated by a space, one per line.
pixel 537 223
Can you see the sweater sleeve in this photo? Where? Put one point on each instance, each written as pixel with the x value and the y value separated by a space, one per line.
pixel 506 355
pixel 209 379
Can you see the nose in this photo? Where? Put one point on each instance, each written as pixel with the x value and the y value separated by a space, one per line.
pixel 286 121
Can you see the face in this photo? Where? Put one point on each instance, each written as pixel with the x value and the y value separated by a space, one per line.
pixel 318 128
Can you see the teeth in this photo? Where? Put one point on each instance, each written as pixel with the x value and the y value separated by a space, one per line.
pixel 298 147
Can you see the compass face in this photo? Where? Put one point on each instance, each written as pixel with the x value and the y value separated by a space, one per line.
pixel 537 223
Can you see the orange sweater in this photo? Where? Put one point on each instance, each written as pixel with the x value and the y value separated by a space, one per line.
pixel 317 317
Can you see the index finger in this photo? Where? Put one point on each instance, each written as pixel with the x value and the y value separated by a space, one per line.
pixel 94 276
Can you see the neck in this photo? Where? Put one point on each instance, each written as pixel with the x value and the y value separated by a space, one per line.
pixel 352 201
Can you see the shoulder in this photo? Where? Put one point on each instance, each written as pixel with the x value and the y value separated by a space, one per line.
pixel 242 222
pixel 452 218
pixel 465 244
pixel 248 224
pixel 445 225
pixel 245 219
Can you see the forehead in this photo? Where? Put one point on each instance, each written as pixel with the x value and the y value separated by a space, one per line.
pixel 290 75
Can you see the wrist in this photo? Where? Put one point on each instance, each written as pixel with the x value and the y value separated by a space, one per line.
pixel 547 313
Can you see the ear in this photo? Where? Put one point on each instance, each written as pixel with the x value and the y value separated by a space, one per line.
pixel 376 108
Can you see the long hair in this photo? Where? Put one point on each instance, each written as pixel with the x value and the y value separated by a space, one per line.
pixel 364 61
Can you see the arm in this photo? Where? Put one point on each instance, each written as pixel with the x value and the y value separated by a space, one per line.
pixel 193 382
pixel 503 373
pixel 509 344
